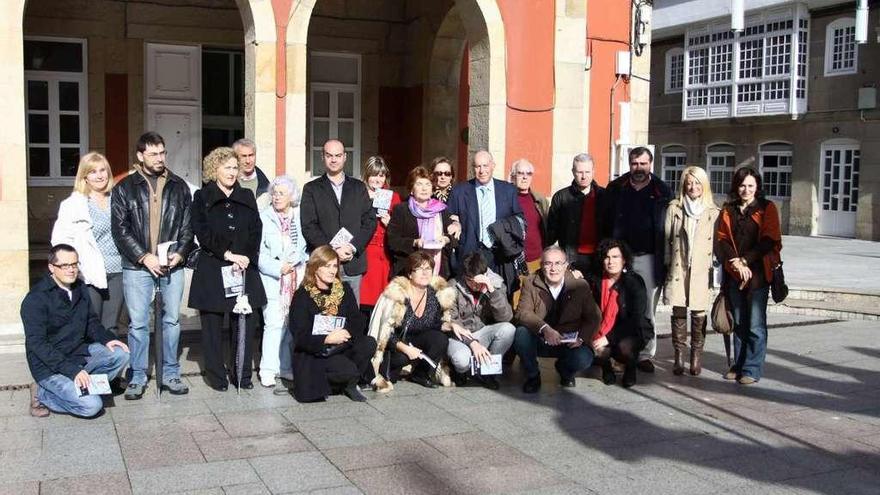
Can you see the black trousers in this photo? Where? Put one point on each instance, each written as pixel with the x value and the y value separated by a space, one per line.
pixel 216 345
pixel 625 350
pixel 432 342
pixel 351 364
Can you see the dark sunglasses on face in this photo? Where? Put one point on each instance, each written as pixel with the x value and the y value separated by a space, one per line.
pixel 442 174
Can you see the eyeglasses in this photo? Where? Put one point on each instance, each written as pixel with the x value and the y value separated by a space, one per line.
pixel 557 264
pixel 524 174
pixel 66 266
pixel 443 174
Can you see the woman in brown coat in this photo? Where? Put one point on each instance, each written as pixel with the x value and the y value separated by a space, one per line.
pixel 690 227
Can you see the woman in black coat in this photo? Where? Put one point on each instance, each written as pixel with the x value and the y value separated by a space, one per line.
pixel 420 223
pixel 622 297
pixel 332 360
pixel 227 225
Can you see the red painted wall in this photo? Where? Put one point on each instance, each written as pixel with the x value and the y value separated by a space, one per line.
pixel 400 130
pixel 529 32
pixel 464 99
pixel 116 123
pixel 608 31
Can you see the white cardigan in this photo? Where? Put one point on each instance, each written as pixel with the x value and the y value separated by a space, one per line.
pixel 74 227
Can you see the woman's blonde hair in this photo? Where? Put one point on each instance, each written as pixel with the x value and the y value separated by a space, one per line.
pixel 90 161
pixel 698 173
pixel 320 257
pixel 376 165
pixel 215 158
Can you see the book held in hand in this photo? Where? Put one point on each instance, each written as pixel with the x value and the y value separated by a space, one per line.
pixel 568 337
pixel 99 384
pixel 432 245
pixel 341 238
pixel 233 280
pixel 324 324
pixel 493 367
pixel 382 201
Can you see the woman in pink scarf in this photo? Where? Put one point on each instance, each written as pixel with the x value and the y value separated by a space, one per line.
pixel 421 223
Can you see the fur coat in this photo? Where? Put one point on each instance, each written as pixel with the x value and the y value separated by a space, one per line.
pixel 388 316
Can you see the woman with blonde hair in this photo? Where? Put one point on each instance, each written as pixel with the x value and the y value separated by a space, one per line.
pixel 84 223
pixel 690 228
pixel 375 175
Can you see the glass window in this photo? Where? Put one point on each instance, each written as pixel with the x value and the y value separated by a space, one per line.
pixel 674 160
pixel 775 167
pixel 674 70
pixel 222 100
pixel 841 50
pixel 334 107
pixel 720 163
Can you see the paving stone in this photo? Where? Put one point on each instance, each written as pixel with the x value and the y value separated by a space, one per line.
pixel 247 489
pixel 217 449
pixel 383 454
pixel 851 482
pixel 192 477
pixel 166 409
pixel 403 479
pixel 25 439
pixel 336 490
pixel 79 451
pixel 337 432
pixel 335 407
pixel 116 483
pixel 302 471
pixel 477 449
pixel 151 447
pixel 493 478
pixel 252 423
pixel 396 427
pixel 20 488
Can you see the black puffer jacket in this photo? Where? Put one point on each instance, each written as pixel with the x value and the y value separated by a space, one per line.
pixel 131 217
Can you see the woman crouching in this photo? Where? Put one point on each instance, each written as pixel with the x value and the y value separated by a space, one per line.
pixel 330 354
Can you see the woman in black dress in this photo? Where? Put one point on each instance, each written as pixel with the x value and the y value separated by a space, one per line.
pixel 327 362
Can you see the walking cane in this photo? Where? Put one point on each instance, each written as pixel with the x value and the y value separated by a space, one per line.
pixel 242 308
pixel 157 334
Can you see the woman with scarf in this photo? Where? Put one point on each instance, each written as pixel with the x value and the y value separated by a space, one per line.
pixel 375 175
pixel 282 262
pixel 748 241
pixel 420 223
pixel 622 298
pixel 690 228
pixel 330 351
pixel 444 178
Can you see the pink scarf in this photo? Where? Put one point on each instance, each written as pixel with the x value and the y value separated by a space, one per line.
pixel 430 224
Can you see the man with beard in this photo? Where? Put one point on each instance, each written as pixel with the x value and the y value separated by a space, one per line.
pixel 636 212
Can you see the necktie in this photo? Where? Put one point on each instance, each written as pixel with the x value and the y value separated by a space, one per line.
pixel 484 217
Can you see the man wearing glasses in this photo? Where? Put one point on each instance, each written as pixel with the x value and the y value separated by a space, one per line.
pixel 534 207
pixel 636 214
pixel 65 341
pixel 151 207
pixel 557 315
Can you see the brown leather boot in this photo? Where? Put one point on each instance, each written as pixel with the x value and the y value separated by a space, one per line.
pixel 679 342
pixel 698 338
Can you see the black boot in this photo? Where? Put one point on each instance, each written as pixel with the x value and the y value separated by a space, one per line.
pixel 679 342
pixel 629 376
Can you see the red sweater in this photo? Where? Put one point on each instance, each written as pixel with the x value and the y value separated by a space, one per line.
pixel 534 237
pixel 588 236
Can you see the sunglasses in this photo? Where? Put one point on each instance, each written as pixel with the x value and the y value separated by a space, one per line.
pixel 443 174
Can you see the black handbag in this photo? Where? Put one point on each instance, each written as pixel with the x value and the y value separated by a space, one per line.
pixel 778 287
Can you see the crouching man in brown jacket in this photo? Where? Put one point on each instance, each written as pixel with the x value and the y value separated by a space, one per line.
pixel 557 316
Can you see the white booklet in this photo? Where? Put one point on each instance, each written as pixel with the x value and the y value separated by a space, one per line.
pixel 341 238
pixel 324 324
pixel 233 280
pixel 434 245
pixel 493 367
pixel 162 252
pixel 98 385
pixel 382 200
pixel 568 337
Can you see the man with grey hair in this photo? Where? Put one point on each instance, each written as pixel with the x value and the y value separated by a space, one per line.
pixel 576 213
pixel 250 175
pixel 534 207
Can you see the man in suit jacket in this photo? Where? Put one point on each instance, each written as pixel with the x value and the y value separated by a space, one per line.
pixel 322 215
pixel 477 204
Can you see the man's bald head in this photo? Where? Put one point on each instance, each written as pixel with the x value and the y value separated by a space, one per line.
pixel 334 156
pixel 484 166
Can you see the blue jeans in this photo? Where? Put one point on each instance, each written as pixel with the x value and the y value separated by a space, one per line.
pixel 138 286
pixel 749 330
pixel 60 394
pixel 569 362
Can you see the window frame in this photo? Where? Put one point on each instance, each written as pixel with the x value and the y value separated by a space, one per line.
pixel 672 151
pixel 762 169
pixel 54 113
pixel 670 55
pixel 713 168
pixel 353 150
pixel 841 23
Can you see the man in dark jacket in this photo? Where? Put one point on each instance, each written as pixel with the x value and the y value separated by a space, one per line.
pixel 636 214
pixel 323 215
pixel 575 216
pixel 251 177
pixel 65 342
pixel 557 317
pixel 151 217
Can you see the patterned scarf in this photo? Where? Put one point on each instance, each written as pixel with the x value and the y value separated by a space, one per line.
pixel 430 224
pixel 442 194
pixel 288 237
pixel 327 303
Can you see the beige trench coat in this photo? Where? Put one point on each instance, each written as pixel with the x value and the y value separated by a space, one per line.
pixel 696 294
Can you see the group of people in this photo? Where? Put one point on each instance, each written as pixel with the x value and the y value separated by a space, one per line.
pixel 353 286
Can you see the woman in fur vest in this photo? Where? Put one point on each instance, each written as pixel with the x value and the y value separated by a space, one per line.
pixel 411 322
pixel 690 229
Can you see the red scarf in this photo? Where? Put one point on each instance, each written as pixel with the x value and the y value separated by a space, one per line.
pixel 609 308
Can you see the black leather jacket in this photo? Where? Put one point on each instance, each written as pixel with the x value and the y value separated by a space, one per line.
pixel 131 217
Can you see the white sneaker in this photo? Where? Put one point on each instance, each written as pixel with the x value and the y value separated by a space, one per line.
pixel 267 380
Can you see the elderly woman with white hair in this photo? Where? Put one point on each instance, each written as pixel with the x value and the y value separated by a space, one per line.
pixel 534 207
pixel 282 260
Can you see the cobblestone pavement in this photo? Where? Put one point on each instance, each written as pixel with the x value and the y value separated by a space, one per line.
pixel 811 426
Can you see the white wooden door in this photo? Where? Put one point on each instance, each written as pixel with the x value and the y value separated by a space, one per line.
pixel 173 105
pixel 839 190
